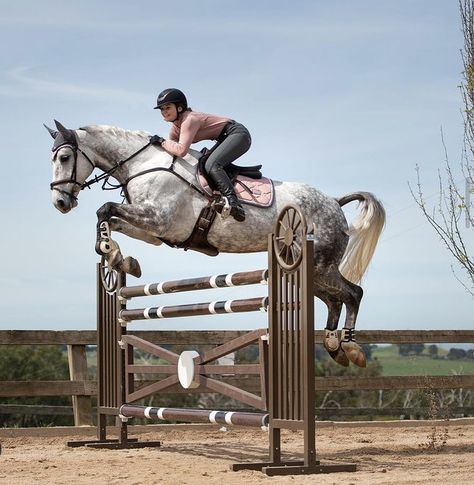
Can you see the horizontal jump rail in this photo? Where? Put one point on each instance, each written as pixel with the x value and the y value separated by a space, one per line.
pixel 194 337
pixel 259 276
pixel 210 308
pixel 258 420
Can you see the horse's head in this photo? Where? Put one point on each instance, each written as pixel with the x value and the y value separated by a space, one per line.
pixel 71 167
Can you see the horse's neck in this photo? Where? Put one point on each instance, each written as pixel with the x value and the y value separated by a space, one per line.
pixel 114 148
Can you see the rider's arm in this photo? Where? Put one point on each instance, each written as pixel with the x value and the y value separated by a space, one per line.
pixel 178 143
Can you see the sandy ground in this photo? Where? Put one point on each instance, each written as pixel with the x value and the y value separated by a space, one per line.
pixel 384 455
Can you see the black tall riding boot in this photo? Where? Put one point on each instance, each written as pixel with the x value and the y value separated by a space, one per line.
pixel 225 187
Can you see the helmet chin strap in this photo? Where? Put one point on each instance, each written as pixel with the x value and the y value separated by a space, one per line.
pixel 178 114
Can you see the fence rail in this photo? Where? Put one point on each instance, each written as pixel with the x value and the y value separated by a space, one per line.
pixel 81 388
pixel 173 337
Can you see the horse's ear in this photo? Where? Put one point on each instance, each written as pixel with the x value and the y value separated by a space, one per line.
pixel 52 132
pixel 60 127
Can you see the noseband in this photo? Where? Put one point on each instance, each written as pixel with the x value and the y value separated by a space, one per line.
pixel 72 179
pixel 103 177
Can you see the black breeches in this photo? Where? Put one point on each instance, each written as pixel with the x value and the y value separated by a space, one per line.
pixel 235 142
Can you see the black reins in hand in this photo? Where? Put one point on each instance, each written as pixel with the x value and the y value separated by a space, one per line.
pixel 97 178
pixel 107 174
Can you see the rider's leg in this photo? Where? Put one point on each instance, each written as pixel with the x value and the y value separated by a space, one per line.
pixel 224 184
pixel 235 144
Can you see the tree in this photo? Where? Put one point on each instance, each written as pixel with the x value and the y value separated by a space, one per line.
pixel 455 354
pixel 433 351
pixel 33 363
pixel 407 349
pixel 418 348
pixel 455 203
pixel 404 349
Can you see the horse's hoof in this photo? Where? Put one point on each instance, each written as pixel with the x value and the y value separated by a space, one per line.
pixel 331 340
pixel 351 348
pixel 131 266
pixel 354 353
pixel 340 357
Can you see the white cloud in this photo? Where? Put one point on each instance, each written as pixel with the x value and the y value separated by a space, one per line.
pixel 22 82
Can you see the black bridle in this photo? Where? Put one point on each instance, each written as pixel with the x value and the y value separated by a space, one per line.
pixel 96 179
pixel 73 178
pixel 104 177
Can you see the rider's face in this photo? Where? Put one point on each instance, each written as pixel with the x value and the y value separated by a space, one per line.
pixel 169 112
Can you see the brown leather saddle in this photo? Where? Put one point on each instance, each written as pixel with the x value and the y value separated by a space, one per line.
pixel 251 188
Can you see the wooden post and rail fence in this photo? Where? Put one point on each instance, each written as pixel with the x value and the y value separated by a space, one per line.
pixel 82 387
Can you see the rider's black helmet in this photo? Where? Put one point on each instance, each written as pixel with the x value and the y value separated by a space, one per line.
pixel 172 95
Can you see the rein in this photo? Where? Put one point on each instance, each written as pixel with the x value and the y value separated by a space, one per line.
pixel 108 173
pixel 158 169
pixel 105 176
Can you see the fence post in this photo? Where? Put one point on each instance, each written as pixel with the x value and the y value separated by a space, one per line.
pixel 82 405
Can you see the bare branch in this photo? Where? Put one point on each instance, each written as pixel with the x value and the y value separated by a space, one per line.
pixel 454 202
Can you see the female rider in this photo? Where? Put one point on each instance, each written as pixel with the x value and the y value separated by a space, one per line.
pixel 188 126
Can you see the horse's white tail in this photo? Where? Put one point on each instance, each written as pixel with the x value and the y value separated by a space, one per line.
pixel 364 234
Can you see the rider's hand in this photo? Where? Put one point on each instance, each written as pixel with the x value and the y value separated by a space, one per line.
pixel 156 140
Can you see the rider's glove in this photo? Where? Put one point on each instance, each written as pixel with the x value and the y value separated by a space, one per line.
pixel 156 140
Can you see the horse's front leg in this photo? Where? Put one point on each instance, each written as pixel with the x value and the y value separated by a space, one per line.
pixel 130 230
pixel 105 246
pixel 108 248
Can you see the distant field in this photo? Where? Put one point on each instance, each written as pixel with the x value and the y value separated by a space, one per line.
pixel 394 364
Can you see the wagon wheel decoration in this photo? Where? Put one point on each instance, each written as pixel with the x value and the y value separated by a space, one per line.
pixel 290 233
pixel 108 275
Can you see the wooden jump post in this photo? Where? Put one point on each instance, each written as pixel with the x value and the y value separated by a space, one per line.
pixel 286 349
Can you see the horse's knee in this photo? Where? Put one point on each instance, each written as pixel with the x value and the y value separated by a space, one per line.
pixel 105 212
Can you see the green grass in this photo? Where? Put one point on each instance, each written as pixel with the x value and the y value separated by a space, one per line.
pixel 394 364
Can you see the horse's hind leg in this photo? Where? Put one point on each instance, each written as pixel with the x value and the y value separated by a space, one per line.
pixel 331 340
pixel 348 344
pixel 335 290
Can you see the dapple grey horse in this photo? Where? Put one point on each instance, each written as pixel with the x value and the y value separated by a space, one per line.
pixel 163 205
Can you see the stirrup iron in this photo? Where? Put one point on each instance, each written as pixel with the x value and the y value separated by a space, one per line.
pixel 222 206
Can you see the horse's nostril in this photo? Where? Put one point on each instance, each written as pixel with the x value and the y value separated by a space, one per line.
pixel 61 203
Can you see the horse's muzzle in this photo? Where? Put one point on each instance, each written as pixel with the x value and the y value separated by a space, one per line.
pixel 63 201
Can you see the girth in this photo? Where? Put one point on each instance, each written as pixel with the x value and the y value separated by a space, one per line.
pixel 197 241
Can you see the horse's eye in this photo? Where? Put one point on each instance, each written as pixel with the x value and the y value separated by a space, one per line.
pixel 64 158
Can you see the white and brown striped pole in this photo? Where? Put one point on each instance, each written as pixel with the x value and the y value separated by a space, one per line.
pixel 193 284
pixel 257 420
pixel 195 309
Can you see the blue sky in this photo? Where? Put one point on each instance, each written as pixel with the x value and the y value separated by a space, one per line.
pixel 342 95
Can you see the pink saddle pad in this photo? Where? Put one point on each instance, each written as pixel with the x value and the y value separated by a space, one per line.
pixel 259 192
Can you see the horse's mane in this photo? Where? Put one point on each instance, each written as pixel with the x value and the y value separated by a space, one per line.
pixel 115 131
pixel 107 140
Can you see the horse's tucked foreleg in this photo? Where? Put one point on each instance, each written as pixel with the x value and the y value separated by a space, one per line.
pixel 107 247
pixel 119 225
pixel 104 243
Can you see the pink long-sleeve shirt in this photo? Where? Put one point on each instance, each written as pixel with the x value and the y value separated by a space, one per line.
pixel 192 127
